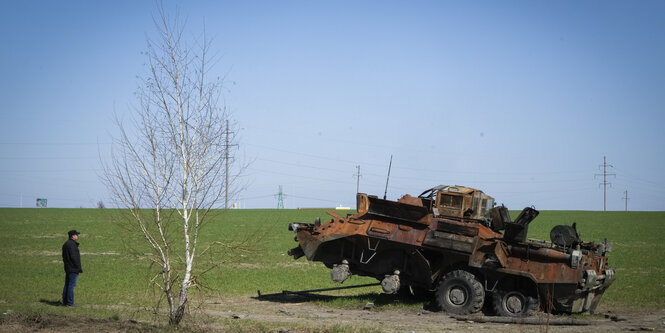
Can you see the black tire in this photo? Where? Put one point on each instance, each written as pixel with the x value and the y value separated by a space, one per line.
pixel 513 303
pixel 459 292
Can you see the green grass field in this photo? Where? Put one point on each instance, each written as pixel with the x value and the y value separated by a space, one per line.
pixel 251 255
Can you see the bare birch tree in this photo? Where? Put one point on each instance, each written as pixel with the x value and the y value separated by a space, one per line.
pixel 171 167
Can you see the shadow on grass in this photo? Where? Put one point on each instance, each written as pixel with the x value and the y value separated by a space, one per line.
pixel 50 302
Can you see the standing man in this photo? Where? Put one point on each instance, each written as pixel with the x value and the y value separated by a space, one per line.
pixel 71 257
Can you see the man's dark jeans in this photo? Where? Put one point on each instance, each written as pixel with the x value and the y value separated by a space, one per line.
pixel 68 290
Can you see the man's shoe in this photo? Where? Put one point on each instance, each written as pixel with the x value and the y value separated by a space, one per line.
pixel 73 305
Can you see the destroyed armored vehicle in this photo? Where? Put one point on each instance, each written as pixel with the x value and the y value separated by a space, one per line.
pixel 453 244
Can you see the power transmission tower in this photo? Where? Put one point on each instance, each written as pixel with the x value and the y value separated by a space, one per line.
pixel 280 198
pixel 358 181
pixel 605 183
pixel 625 196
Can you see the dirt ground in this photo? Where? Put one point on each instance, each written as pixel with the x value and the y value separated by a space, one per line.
pixel 311 315
pixel 279 315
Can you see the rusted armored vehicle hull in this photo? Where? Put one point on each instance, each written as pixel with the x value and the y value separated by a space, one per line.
pixel 459 256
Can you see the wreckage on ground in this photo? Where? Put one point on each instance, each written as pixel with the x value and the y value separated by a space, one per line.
pixel 453 244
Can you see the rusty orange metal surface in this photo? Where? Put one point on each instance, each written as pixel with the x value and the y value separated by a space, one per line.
pixel 418 240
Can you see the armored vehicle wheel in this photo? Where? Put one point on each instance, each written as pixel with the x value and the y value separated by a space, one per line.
pixel 513 303
pixel 459 292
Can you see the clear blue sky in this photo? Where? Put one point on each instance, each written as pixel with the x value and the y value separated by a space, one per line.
pixel 519 98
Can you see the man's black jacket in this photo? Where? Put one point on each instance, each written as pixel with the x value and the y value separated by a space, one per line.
pixel 71 256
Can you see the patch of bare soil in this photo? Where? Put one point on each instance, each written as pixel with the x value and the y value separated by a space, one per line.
pixel 293 315
pixel 12 322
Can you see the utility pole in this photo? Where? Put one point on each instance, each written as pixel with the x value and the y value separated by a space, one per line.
pixel 625 196
pixel 226 159
pixel 358 181
pixel 227 148
pixel 605 183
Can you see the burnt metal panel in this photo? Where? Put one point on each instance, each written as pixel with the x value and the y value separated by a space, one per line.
pixel 449 241
pixel 396 211
pixel 465 229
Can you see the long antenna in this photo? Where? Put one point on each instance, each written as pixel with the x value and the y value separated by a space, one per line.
pixel 358 180
pixel 387 179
